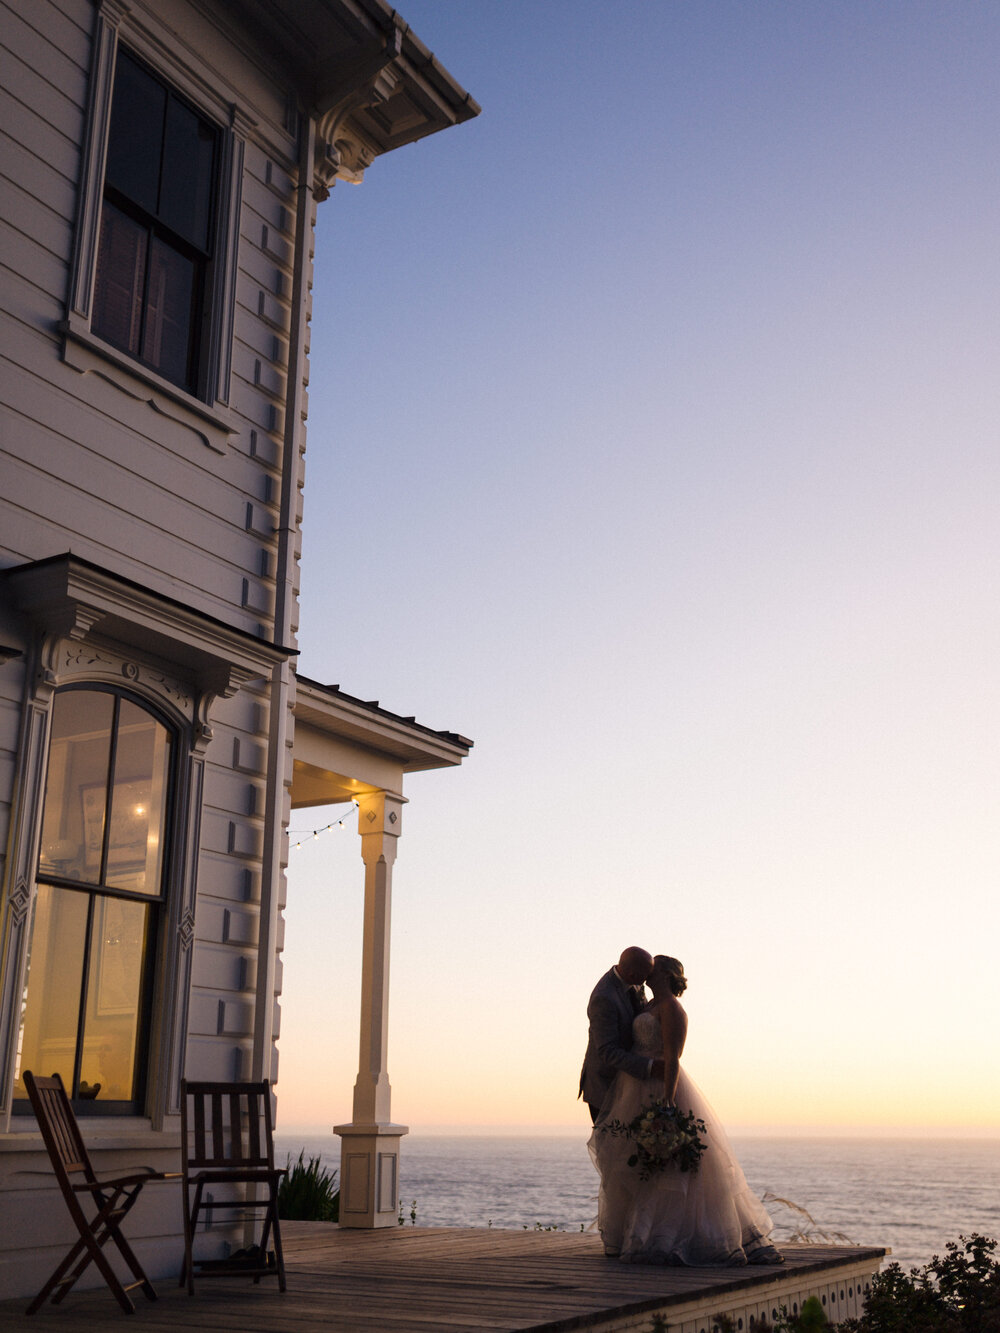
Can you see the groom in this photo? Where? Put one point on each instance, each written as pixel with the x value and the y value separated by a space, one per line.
pixel 615 1001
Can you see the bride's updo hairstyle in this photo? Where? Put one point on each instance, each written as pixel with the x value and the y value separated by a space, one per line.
pixel 673 969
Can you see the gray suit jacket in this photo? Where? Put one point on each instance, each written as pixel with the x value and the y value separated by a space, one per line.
pixel 609 1047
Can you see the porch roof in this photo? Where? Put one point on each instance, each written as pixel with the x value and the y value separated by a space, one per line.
pixel 345 746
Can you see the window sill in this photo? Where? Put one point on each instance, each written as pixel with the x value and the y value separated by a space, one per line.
pixel 99 1134
pixel 84 351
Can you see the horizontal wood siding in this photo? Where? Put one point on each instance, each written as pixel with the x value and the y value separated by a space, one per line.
pixel 98 461
pixel 227 921
pixel 114 479
pixel 90 464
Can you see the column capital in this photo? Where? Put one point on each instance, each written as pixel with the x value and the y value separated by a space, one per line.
pixel 372 1131
pixel 380 822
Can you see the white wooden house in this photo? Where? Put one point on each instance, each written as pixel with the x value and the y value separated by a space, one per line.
pixel 161 162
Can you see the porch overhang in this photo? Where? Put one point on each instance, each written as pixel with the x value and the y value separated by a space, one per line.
pixel 353 749
pixel 346 747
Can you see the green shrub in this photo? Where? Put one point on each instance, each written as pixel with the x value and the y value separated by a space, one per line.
pixel 957 1294
pixel 309 1193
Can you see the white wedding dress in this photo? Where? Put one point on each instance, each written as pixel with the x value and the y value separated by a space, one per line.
pixel 703 1217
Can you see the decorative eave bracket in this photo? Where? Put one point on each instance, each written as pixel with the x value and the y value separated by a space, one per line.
pixel 339 154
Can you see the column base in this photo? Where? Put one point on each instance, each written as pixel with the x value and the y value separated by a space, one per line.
pixel 369 1174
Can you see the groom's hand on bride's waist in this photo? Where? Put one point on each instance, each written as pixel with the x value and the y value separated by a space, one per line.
pixel 657 1069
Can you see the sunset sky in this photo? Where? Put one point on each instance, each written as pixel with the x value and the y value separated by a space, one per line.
pixel 653 444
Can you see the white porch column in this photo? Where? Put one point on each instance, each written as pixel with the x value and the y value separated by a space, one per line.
pixel 369 1151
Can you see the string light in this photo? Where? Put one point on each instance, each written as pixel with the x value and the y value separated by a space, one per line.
pixel 304 835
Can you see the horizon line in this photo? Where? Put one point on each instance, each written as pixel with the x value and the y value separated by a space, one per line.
pixel 436 1129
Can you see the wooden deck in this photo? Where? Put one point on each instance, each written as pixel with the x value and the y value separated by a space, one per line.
pixel 443 1280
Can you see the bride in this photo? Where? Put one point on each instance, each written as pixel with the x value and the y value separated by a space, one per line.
pixel 703 1217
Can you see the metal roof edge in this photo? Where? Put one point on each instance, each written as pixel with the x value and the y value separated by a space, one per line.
pixel 374 707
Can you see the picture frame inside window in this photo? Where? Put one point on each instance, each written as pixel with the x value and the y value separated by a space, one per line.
pixel 129 833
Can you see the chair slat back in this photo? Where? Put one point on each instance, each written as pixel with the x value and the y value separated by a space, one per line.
pixel 226 1125
pixel 60 1132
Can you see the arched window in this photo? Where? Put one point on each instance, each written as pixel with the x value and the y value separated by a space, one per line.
pixel 101 881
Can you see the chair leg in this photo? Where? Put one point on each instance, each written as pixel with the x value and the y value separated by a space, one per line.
pixel 191 1211
pixel 271 1227
pixel 94 1236
pixel 93 1253
pixel 67 1283
pixel 57 1277
pixel 130 1257
pixel 107 1226
pixel 186 1263
pixel 278 1252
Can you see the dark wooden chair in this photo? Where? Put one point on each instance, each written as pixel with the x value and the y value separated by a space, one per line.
pixel 226 1140
pixel 112 1199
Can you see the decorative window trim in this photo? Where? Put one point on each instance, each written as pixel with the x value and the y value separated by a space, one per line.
pixel 85 351
pixel 92 625
pixel 82 348
pixel 65 597
pixel 91 884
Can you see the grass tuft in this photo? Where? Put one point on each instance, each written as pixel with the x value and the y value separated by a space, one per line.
pixel 309 1193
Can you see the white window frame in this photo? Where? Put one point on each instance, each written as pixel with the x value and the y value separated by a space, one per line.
pixel 89 625
pixel 160 954
pixel 82 348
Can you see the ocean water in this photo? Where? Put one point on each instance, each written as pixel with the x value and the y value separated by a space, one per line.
pixel 911 1195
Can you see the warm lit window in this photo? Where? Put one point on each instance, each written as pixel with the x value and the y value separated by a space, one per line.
pixel 157 220
pixel 101 872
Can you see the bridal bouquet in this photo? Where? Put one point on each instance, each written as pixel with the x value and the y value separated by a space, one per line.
pixel 663 1137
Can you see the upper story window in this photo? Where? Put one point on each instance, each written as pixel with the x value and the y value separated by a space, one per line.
pixel 101 889
pixel 152 285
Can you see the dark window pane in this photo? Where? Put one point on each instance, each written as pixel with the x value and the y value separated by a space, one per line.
pixel 136 134
pixel 156 226
pixel 186 180
pixel 166 344
pixel 121 277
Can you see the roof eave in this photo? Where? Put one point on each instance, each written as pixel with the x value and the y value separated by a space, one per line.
pixel 418 748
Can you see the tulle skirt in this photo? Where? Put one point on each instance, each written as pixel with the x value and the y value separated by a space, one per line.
pixel 704 1217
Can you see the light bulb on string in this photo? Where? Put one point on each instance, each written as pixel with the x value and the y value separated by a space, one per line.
pixel 327 828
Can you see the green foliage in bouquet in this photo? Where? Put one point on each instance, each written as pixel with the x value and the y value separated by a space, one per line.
pixel 663 1137
pixel 309 1193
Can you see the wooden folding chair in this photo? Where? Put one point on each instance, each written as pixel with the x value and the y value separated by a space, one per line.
pixel 226 1139
pixel 111 1198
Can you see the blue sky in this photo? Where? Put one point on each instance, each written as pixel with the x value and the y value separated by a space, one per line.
pixel 652 445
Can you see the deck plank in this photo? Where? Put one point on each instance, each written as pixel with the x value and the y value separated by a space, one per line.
pixel 432 1280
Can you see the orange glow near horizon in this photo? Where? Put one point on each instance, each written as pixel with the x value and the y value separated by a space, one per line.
pixel 467 1050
